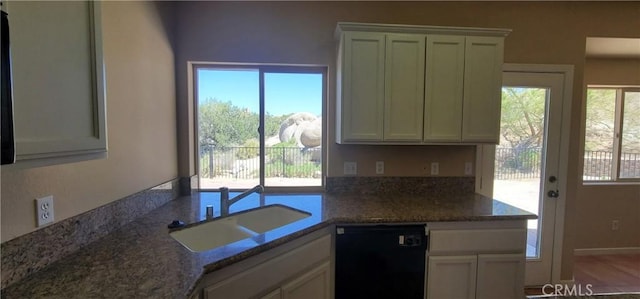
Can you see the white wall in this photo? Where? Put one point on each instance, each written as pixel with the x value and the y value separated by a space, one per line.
pixel 141 125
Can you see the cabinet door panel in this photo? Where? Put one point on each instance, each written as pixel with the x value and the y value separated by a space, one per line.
pixel 500 276
pixel 482 89
pixel 443 89
pixel 452 277
pixel 314 284
pixel 58 81
pixel 263 277
pixel 404 87
pixel 363 87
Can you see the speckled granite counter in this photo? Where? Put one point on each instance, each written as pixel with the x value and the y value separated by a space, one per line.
pixel 141 260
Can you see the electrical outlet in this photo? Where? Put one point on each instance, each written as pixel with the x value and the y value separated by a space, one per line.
pixel 44 210
pixel 615 224
pixel 435 168
pixel 350 168
pixel 380 167
pixel 468 168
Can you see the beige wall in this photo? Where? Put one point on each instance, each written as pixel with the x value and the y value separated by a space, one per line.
pixel 302 32
pixel 599 204
pixel 141 124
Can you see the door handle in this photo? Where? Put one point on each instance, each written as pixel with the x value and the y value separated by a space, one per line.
pixel 553 193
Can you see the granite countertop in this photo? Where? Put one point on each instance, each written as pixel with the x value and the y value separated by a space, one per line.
pixel 141 260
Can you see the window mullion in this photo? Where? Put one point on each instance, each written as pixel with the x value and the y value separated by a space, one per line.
pixel 617 144
pixel 261 128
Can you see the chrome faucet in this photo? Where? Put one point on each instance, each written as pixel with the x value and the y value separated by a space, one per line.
pixel 225 202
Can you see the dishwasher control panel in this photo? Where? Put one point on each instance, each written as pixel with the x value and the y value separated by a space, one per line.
pixel 410 240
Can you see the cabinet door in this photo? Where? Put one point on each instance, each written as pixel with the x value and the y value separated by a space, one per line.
pixel 314 284
pixel 452 277
pixel 404 87
pixel 58 81
pixel 362 98
pixel 500 276
pixel 443 88
pixel 482 89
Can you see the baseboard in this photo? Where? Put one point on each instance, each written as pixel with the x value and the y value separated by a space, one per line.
pixel 568 282
pixel 605 251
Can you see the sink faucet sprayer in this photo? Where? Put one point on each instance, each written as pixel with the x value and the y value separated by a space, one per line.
pixel 225 202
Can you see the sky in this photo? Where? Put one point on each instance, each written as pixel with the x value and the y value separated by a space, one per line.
pixel 284 92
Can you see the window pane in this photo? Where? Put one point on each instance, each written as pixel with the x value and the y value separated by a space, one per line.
pixel 293 129
pixel 228 120
pixel 599 134
pixel 630 146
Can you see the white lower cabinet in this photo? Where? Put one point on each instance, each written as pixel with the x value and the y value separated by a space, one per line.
pixel 452 277
pixel 477 260
pixel 500 276
pixel 315 284
pixel 476 276
pixel 300 269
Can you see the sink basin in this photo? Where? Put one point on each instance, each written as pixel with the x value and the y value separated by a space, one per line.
pixel 243 225
pixel 268 218
pixel 210 235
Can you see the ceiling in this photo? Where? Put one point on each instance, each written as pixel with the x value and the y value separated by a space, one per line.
pixel 613 47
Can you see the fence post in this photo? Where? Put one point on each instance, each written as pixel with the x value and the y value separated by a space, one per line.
pixel 211 162
pixel 284 174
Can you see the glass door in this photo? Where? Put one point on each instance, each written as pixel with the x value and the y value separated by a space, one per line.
pixel 228 106
pixel 527 160
pixel 293 122
pixel 260 125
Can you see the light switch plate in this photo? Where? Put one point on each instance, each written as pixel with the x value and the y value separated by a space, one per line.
pixel 350 168
pixel 44 210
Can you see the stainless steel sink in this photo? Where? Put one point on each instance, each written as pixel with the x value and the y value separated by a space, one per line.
pixel 240 226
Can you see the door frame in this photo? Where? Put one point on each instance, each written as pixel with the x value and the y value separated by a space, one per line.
pixel 485 156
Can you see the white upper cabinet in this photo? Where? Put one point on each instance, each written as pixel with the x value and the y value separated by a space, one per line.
pixel 482 89
pixel 444 88
pixel 401 84
pixel 404 87
pixel 58 81
pixel 363 86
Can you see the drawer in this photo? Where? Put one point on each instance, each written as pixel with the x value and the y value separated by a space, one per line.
pixel 477 241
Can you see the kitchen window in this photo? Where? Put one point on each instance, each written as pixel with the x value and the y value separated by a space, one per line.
pixel 260 124
pixel 612 134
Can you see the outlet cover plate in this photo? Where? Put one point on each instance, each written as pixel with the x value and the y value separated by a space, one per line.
pixel 379 167
pixel 468 168
pixel 44 210
pixel 435 168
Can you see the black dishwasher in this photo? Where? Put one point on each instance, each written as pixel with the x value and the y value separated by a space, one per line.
pixel 380 261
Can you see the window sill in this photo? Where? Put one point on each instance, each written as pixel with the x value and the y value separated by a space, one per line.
pixel 610 183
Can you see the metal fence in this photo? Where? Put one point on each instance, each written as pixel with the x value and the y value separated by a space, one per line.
pixel 598 165
pixel 244 162
pixel 517 163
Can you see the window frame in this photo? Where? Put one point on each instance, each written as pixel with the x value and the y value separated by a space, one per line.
pixel 263 68
pixel 617 135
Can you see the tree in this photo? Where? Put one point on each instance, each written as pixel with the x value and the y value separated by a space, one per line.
pixel 522 123
pixel 222 124
pixel 600 120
